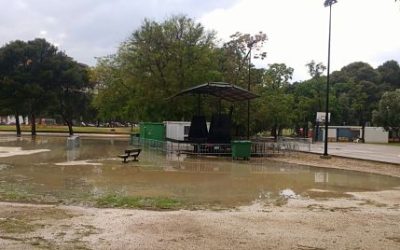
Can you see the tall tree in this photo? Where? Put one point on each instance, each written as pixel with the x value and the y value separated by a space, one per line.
pixel 236 53
pixel 14 68
pixel 387 114
pixel 71 89
pixel 113 97
pixel 390 74
pixel 275 103
pixel 234 64
pixel 40 78
pixel 36 78
pixel 160 59
pixel 315 69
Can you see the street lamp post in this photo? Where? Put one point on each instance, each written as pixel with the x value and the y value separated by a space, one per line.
pixel 250 46
pixel 328 3
pixel 248 101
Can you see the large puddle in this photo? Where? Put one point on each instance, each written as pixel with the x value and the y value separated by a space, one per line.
pixel 45 171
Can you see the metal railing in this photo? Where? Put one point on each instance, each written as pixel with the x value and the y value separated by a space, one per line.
pixel 296 144
pixel 259 147
pixel 183 147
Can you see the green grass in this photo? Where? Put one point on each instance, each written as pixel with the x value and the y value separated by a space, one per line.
pixel 13 196
pixel 12 226
pixel 64 129
pixel 113 200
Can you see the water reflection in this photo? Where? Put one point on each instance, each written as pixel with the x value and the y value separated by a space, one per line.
pixel 72 154
pixel 321 177
pixel 97 170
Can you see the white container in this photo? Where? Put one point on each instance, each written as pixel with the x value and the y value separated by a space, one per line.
pixel 376 135
pixel 177 130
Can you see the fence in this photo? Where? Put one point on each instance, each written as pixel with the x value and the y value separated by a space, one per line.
pixel 259 147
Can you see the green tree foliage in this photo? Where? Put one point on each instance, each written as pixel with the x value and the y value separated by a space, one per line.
pixel 234 66
pixel 71 89
pixel 309 97
pixel 356 72
pixel 390 73
pixel 160 59
pixel 356 92
pixel 40 77
pixel 113 95
pixel 315 69
pixel 236 53
pixel 275 106
pixel 14 66
pixel 35 79
pixel 387 114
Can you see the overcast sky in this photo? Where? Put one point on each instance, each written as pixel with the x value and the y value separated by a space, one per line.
pixel 362 30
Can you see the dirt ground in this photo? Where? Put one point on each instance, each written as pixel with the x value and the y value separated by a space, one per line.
pixel 367 220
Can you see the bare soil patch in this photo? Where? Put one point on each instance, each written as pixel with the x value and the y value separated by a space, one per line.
pixel 363 221
pixel 360 220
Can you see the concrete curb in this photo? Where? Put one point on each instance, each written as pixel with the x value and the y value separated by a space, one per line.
pixel 354 158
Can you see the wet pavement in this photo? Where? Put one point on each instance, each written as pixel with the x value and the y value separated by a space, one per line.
pixel 375 152
pixel 46 170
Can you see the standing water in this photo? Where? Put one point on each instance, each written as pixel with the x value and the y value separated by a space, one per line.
pixel 46 170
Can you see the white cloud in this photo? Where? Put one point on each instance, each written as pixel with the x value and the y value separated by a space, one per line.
pixel 362 30
pixel 21 4
pixel 86 29
pixel 43 33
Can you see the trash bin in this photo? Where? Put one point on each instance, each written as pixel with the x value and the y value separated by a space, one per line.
pixel 241 149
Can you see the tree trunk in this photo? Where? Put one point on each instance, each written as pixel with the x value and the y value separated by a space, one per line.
pixel 273 133
pixel 70 130
pixel 17 124
pixel 33 124
pixel 305 131
pixel 363 132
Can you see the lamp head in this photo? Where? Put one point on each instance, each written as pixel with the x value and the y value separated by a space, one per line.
pixel 329 2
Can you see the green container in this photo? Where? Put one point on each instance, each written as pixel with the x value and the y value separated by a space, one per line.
pixel 241 149
pixel 152 131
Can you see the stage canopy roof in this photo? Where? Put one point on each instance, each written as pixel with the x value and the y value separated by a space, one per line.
pixel 222 90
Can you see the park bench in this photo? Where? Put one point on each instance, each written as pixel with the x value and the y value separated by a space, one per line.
pixel 131 152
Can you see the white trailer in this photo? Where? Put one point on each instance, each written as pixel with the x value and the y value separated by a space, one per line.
pixel 177 130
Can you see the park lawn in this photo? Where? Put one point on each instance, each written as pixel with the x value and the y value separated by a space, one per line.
pixel 64 129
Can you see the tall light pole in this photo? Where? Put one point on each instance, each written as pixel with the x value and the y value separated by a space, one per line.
pixel 250 46
pixel 328 3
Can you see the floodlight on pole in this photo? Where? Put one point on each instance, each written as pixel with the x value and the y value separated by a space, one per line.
pixel 328 3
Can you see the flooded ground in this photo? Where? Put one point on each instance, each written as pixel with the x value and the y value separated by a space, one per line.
pixel 45 171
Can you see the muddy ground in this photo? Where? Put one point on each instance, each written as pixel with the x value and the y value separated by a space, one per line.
pixel 367 220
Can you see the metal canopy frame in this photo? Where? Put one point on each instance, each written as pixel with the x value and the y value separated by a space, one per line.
pixel 222 90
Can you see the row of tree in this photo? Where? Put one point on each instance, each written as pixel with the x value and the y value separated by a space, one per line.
pixel 359 95
pixel 37 79
pixel 161 58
